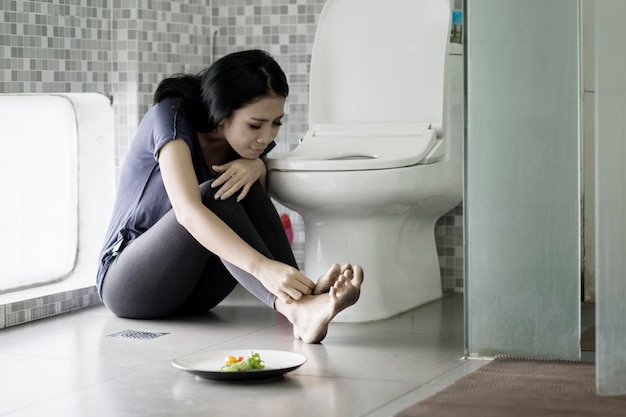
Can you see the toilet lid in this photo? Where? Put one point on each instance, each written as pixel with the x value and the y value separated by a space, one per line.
pixel 358 147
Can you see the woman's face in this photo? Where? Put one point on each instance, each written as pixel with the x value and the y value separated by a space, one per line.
pixel 251 128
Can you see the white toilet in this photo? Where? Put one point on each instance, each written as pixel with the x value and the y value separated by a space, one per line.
pixel 380 163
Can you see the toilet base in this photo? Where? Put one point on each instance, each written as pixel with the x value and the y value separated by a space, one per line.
pixel 397 251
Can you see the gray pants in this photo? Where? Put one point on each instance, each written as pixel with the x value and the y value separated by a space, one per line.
pixel 165 271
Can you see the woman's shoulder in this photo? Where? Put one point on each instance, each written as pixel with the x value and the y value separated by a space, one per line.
pixel 170 105
pixel 166 112
pixel 167 120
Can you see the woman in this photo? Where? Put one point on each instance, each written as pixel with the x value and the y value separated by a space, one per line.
pixel 192 216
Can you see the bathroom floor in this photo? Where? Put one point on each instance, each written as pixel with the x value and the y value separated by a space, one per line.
pixel 74 365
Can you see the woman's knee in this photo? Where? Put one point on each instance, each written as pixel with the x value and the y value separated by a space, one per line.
pixel 208 193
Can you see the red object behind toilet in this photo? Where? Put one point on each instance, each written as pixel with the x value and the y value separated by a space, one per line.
pixel 287 225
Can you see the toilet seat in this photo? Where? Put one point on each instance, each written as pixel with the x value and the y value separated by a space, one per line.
pixel 348 147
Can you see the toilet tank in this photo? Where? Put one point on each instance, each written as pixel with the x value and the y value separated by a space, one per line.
pixel 379 62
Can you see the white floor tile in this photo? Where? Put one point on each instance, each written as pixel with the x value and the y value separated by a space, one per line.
pixel 71 365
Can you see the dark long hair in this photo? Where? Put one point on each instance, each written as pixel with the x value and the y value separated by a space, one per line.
pixel 232 82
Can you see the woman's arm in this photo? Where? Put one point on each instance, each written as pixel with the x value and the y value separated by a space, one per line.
pixel 238 176
pixel 179 178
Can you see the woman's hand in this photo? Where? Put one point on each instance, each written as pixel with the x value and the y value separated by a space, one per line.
pixel 238 176
pixel 284 281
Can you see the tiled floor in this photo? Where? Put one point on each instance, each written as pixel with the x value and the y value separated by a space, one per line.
pixel 69 365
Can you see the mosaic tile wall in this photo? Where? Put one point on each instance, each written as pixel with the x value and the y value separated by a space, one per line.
pixel 122 48
pixel 449 238
pixel 35 309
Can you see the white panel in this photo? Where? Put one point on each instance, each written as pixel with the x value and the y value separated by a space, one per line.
pixel 38 185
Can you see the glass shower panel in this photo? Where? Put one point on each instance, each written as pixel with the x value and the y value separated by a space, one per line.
pixel 521 202
pixel 610 67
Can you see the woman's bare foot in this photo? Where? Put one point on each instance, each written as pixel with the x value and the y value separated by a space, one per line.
pixel 311 315
pixel 326 281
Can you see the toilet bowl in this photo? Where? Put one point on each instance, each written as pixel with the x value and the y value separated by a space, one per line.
pixel 381 161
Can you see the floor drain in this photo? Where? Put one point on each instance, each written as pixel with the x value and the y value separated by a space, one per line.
pixel 138 334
